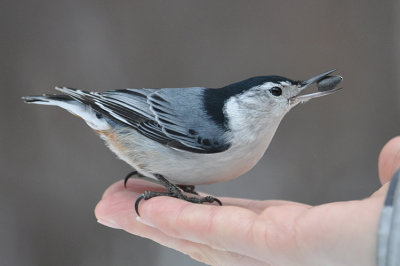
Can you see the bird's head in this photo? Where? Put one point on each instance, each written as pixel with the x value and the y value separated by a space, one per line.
pixel 274 96
pixel 259 103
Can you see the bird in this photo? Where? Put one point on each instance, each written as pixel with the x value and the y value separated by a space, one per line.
pixel 182 137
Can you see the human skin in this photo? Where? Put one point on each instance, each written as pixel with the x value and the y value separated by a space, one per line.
pixel 250 232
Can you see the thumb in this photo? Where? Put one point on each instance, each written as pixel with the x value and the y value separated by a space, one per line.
pixel 389 160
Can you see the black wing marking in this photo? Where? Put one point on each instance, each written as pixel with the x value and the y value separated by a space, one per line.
pixel 152 130
pixel 124 110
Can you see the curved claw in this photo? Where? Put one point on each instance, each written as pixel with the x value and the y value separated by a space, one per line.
pixel 137 204
pixel 211 199
pixel 129 176
pixel 218 201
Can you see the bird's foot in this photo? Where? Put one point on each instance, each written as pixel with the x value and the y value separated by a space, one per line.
pixel 175 192
pixel 150 194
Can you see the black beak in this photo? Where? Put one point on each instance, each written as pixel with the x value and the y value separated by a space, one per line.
pixel 304 84
pixel 326 85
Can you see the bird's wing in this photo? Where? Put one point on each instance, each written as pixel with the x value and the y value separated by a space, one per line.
pixel 172 117
pixel 182 117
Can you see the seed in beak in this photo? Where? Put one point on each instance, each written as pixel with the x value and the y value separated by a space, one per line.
pixel 328 83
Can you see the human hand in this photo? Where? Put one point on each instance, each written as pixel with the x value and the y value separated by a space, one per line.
pixel 249 232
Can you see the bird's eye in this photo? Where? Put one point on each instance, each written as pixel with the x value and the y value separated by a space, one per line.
pixel 276 91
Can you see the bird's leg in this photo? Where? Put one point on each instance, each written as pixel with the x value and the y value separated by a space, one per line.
pixel 188 189
pixel 173 191
pixel 138 176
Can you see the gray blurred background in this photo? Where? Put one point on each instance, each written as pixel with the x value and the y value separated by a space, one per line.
pixel 54 169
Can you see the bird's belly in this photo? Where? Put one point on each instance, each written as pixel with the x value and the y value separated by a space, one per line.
pixel 182 167
pixel 211 169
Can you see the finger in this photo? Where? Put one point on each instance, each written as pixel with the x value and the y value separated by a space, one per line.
pixel 256 206
pixel 389 160
pixel 117 210
pixel 224 227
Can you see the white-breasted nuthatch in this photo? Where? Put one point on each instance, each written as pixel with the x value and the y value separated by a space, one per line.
pixel 189 136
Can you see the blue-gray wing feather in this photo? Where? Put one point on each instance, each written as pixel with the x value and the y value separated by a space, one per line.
pixel 182 116
pixel 172 116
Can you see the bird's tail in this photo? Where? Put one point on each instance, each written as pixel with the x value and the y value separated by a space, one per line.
pixel 48 99
pixel 71 104
pixel 61 100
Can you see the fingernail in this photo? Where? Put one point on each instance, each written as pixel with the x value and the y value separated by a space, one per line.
pixel 109 223
pixel 143 221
